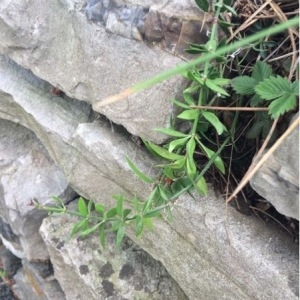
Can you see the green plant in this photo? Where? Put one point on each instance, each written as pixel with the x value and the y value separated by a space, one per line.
pixel 95 217
pixel 180 169
pixel 264 88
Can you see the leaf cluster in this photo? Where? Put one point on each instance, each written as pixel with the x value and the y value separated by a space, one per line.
pixel 179 170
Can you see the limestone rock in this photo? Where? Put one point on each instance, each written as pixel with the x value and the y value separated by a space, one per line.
pixel 110 273
pixel 35 281
pixel 278 179
pixel 59 122
pixel 67 44
pixel 26 172
pixel 210 252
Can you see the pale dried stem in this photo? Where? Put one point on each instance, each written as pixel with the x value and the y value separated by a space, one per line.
pixel 249 21
pixel 250 174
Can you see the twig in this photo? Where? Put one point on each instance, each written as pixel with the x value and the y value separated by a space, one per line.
pixel 247 178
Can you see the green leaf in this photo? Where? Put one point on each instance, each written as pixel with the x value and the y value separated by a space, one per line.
pixel 281 105
pixel 274 87
pixel 190 114
pixel 295 87
pixel 139 224
pixel 120 235
pixel 102 234
pixel 230 9
pixel 214 121
pixel 177 164
pixel 137 172
pixel 180 104
pixel 221 81
pixel 111 213
pixel 115 225
pixel 82 208
pixel 99 209
pixel 217 162
pixel 164 153
pixel 244 85
pixel 282 90
pixel 211 45
pixel 176 143
pixel 202 186
pixel 203 4
pixel 156 212
pixel 168 172
pixel 80 225
pixel 164 194
pixel 119 207
pixel 214 87
pixel 90 206
pixel 191 167
pixel 190 147
pixel 126 212
pixel 188 99
pixel 171 132
pixel 261 71
pixel 91 229
pixel 149 201
pixel 58 201
pixel 148 223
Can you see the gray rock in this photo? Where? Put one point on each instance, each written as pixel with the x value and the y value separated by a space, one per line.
pixel 63 121
pixel 210 252
pixel 26 173
pixel 9 262
pixel 278 179
pixel 110 273
pixel 35 281
pixel 61 43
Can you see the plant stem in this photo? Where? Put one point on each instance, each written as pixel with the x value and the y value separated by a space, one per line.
pixel 182 68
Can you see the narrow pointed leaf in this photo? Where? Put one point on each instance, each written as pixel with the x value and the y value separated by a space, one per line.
pixel 82 208
pixel 99 209
pixel 164 153
pixel 90 230
pixel 177 164
pixel 191 167
pixel 111 213
pixel 90 206
pixel 217 161
pixel 216 88
pixel 214 121
pixel 190 114
pixel 190 147
pixel 180 104
pixel 78 226
pixel 202 186
pixel 171 132
pixel 176 143
pixel 119 206
pixel 139 224
pixel 139 173
pixel 188 98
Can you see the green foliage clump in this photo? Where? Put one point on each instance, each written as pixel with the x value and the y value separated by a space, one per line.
pixel 180 169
